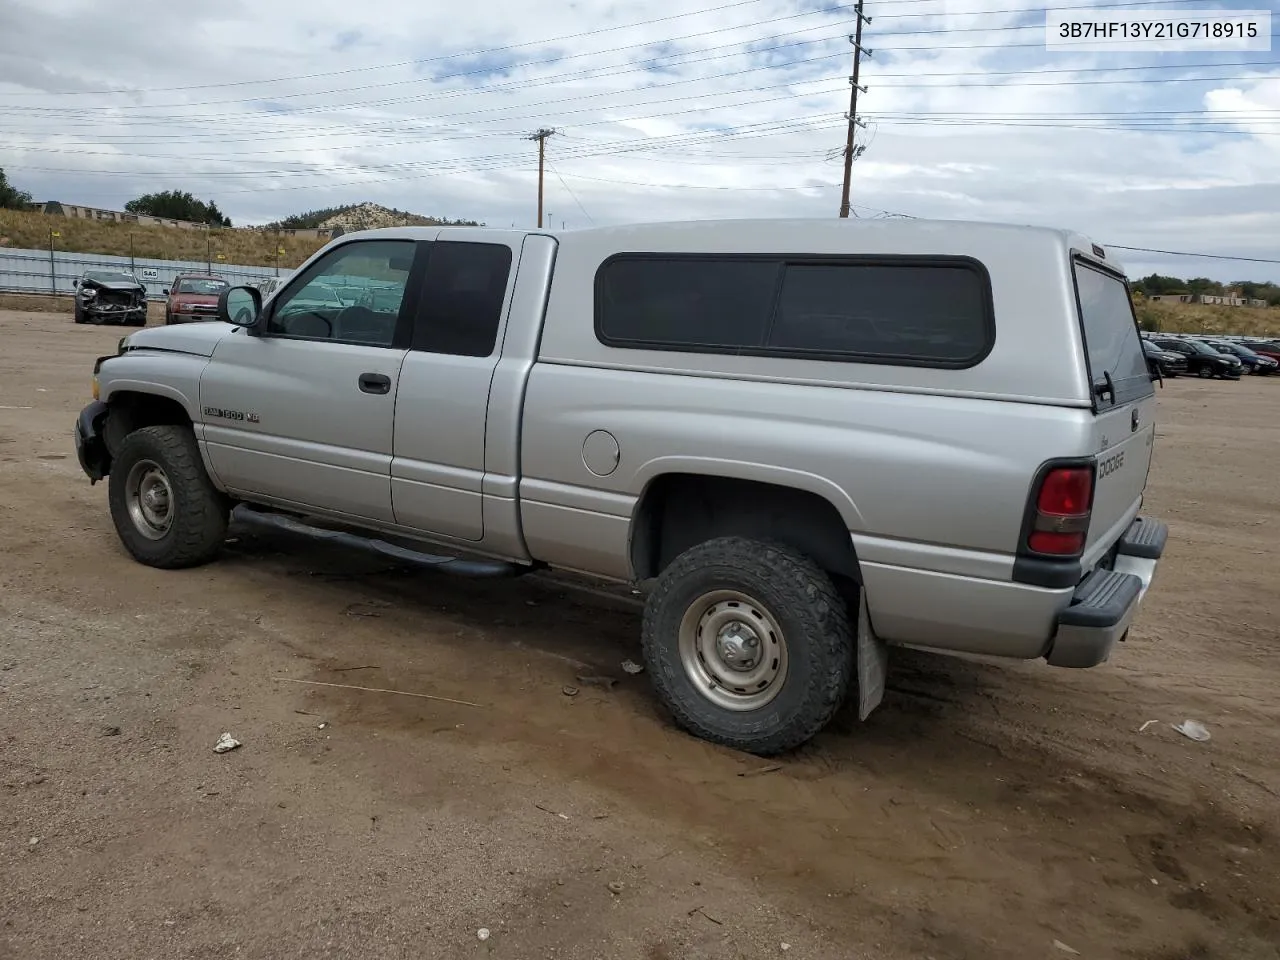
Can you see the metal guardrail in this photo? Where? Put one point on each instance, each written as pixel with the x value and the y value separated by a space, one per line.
pixel 44 271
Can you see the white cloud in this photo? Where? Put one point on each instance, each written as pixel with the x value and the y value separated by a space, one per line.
pixel 744 102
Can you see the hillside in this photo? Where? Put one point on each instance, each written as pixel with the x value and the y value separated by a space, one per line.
pixel 247 247
pixel 362 216
pixel 243 246
pixel 1170 317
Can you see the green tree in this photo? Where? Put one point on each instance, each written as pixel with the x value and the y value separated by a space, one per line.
pixel 1203 285
pixel 178 205
pixel 1156 284
pixel 11 198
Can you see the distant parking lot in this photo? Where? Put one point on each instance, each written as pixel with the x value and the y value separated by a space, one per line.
pixel 1011 811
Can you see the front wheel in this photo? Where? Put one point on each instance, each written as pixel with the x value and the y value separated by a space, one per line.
pixel 166 511
pixel 748 644
pixel 1204 373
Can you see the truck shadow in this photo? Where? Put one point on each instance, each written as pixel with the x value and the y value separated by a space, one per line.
pixel 966 771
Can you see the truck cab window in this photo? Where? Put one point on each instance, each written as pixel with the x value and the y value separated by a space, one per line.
pixel 351 296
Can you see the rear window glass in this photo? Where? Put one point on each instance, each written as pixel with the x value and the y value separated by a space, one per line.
pixel 687 302
pixel 936 313
pixel 933 314
pixel 1111 337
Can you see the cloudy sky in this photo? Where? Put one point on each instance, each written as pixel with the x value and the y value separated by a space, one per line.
pixel 680 111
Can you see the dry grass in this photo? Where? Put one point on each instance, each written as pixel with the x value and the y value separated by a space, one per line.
pixel 246 247
pixel 1200 318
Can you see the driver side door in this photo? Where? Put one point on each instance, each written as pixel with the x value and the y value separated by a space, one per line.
pixel 300 413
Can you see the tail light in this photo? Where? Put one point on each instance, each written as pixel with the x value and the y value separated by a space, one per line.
pixel 1062 509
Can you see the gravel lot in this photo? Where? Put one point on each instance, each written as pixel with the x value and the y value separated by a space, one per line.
pixel 983 812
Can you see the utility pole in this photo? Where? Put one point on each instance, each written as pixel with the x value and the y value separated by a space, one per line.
pixel 53 272
pixel 850 152
pixel 541 137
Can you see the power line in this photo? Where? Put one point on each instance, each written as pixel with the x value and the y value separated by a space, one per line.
pixel 541 105
pixel 404 63
pixel 462 74
pixel 1183 253
pixel 133 91
pixel 571 193
pixel 503 164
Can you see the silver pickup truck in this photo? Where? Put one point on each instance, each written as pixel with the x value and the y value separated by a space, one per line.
pixel 808 441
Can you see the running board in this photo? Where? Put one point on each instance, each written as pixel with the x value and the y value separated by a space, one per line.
pixel 455 565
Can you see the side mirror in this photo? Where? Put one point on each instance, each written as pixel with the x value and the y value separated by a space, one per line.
pixel 75 283
pixel 165 291
pixel 240 305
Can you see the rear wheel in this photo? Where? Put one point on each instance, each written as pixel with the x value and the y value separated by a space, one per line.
pixel 748 644
pixel 166 511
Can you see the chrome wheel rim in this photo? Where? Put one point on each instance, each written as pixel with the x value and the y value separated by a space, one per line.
pixel 732 650
pixel 149 497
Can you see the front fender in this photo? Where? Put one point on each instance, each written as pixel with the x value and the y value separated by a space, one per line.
pixel 115 387
pixel 171 375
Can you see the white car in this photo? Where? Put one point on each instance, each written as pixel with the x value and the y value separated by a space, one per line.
pixel 269 285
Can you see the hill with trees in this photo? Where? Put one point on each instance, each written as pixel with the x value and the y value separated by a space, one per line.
pixel 362 216
pixel 1250 289
pixel 178 205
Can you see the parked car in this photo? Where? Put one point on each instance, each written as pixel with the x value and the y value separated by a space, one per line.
pixel 1253 361
pixel 1169 363
pixel 1202 360
pixel 110 296
pixel 269 285
pixel 1266 348
pixel 798 458
pixel 193 296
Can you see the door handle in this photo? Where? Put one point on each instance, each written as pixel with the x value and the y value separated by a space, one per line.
pixel 375 383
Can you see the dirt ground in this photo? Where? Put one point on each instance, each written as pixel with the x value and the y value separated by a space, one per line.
pixel 1012 811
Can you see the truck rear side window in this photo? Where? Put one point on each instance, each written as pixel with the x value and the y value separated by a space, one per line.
pixel 462 298
pixel 923 311
pixel 1112 343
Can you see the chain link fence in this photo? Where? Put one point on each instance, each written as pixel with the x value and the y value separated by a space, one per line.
pixel 53 272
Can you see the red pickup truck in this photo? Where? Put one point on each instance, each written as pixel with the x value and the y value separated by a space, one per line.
pixel 193 296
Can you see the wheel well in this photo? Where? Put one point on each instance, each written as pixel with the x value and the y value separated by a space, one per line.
pixel 132 411
pixel 679 511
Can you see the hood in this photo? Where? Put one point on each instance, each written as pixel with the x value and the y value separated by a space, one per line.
pixel 112 285
pixel 195 338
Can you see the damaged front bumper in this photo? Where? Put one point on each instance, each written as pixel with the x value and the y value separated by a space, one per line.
pixel 91 445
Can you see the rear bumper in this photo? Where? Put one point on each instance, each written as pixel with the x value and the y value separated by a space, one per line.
pixel 91 447
pixel 1104 604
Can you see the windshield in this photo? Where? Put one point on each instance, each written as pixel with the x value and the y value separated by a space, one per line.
pixel 1111 337
pixel 108 276
pixel 208 288
pixel 1235 348
pixel 1204 348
